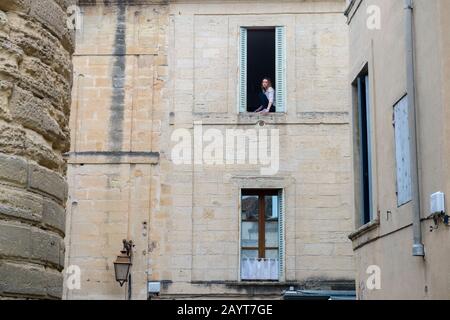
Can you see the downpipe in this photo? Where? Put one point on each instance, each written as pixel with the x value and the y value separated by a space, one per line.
pixel 418 249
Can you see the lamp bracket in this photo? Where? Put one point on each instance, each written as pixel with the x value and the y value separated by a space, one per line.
pixel 127 247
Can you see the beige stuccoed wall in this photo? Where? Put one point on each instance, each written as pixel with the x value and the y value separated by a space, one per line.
pixel 389 244
pixel 182 58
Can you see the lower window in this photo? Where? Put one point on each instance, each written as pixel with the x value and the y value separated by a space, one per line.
pixel 260 234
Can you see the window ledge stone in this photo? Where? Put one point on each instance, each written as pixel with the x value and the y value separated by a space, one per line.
pixel 372 225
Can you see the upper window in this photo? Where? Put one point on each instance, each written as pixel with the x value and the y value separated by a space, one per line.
pixel 262 69
pixel 364 148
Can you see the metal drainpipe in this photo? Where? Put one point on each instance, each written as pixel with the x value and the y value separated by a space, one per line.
pixel 418 249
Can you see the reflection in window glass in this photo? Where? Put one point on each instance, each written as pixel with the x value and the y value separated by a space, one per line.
pixel 272 254
pixel 250 208
pixel 272 234
pixel 271 210
pixel 250 234
pixel 249 254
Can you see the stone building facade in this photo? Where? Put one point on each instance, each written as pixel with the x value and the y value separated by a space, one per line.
pixel 146 71
pixel 157 79
pixel 400 59
pixel 35 99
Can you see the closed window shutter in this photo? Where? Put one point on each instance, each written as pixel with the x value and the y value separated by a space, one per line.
pixel 281 234
pixel 280 39
pixel 243 71
pixel 403 153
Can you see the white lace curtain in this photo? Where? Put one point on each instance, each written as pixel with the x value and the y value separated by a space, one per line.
pixel 259 269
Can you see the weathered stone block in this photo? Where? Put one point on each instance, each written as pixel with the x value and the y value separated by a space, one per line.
pixel 46 247
pixel 54 284
pixel 15 240
pixel 29 281
pixel 13 169
pixel 30 243
pixel 14 140
pixel 21 204
pixel 5 93
pixel 54 215
pixel 21 280
pixel 52 15
pixel 33 113
pixel 42 81
pixel 47 181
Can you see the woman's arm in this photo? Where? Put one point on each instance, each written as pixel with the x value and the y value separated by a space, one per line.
pixel 271 98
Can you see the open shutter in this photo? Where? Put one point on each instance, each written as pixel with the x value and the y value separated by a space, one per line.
pixel 280 39
pixel 243 71
pixel 281 234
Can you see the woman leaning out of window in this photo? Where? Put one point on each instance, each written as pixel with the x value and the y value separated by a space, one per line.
pixel 266 97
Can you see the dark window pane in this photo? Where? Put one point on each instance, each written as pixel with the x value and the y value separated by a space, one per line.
pixel 260 63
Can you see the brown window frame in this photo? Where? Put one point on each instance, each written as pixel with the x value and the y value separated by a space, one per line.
pixel 261 193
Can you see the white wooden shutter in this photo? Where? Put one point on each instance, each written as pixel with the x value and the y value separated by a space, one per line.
pixel 243 70
pixel 281 234
pixel 402 152
pixel 280 44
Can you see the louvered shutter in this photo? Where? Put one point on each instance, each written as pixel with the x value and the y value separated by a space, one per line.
pixel 280 39
pixel 281 232
pixel 243 71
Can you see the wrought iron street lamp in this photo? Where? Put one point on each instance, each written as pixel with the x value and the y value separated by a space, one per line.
pixel 123 263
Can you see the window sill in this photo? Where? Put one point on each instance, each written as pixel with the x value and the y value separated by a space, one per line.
pixel 246 283
pixel 256 114
pixel 273 117
pixel 351 9
pixel 365 229
pixel 269 114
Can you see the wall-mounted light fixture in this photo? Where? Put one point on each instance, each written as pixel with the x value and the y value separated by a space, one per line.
pixel 438 212
pixel 123 263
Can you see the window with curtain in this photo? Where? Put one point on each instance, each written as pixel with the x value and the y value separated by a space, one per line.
pixel 261 234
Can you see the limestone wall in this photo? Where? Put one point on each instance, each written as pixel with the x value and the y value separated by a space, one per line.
pixel 143 71
pixel 120 69
pixel 35 98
